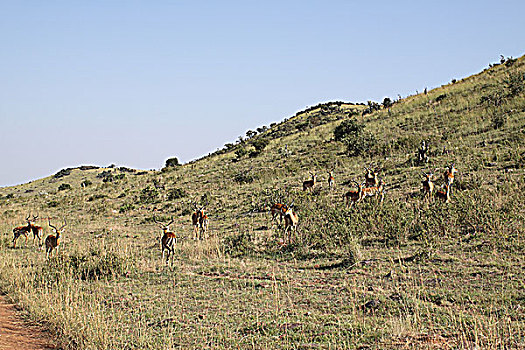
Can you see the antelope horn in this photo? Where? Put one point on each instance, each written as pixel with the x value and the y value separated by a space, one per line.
pixel 49 222
pixel 65 224
pixel 171 222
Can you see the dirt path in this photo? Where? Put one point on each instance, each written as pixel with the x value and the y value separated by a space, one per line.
pixel 16 334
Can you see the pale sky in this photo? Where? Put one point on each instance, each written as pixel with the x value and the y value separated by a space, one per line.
pixel 136 82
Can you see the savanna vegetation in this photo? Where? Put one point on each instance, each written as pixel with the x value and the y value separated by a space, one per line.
pixel 406 273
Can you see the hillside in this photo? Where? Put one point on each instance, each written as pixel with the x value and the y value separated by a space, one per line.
pixel 408 273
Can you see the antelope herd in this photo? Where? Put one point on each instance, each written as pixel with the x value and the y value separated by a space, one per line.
pixel 372 186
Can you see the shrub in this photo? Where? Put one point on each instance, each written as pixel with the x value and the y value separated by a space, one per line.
pixel 52 204
pixel 515 84
pixel 347 128
pixel 176 193
pixel 498 120
pixel 64 187
pixel 172 162
pixel 126 207
pixel 387 102
pixel 352 134
pixel 238 245
pixel 148 195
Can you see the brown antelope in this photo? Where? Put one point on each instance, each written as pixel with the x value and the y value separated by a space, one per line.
pixel 353 195
pixel 291 220
pixel 371 179
pixel 309 183
pixel 331 180
pixel 53 241
pixel 378 190
pixel 203 223
pixel 38 231
pixel 428 185
pixel 278 209
pixel 21 231
pixel 449 173
pixel 195 220
pixel 443 193
pixel 168 240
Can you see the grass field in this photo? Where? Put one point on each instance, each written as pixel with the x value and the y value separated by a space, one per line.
pixel 405 274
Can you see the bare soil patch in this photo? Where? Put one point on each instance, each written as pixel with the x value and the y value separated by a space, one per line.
pixel 16 333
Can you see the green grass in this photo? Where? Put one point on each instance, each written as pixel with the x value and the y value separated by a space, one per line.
pixel 406 274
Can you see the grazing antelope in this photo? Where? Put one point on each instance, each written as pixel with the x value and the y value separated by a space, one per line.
pixel 353 195
pixel 309 183
pixel 168 240
pixel 449 173
pixel 428 185
pixel 291 220
pixel 53 241
pixel 331 180
pixel 378 190
pixel 371 179
pixel 38 231
pixel 443 193
pixel 21 231
pixel 278 209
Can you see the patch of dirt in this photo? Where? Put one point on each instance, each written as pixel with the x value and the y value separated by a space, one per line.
pixel 16 334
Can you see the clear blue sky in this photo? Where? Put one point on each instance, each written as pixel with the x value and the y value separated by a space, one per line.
pixel 136 82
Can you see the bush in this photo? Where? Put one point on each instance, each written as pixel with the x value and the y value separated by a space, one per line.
pixel 238 245
pixel 126 207
pixel 515 84
pixel 347 128
pixel 64 187
pixel 176 193
pixel 352 134
pixel 148 195
pixel 172 162
pixel 498 121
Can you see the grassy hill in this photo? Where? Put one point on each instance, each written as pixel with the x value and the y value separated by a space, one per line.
pixel 404 274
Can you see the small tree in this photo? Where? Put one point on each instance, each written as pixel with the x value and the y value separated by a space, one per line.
pixel 347 128
pixel 387 102
pixel 172 162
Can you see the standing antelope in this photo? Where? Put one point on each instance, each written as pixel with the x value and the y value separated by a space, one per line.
pixel 353 195
pixel 371 179
pixel 37 231
pixel 53 241
pixel 443 193
pixel 428 185
pixel 378 190
pixel 203 223
pixel 21 231
pixel 278 209
pixel 309 183
pixel 449 173
pixel 195 220
pixel 168 240
pixel 291 220
pixel 331 180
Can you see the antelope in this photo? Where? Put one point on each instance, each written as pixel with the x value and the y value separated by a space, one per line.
pixel 195 217
pixel 428 185
pixel 21 230
pixel 353 195
pixel 375 191
pixel 37 231
pixel 371 179
pixel 448 175
pixel 53 241
pixel 443 193
pixel 168 240
pixel 331 180
pixel 278 209
pixel 309 183
pixel 290 222
pixel 203 223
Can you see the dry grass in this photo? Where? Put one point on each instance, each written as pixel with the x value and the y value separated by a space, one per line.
pixel 407 274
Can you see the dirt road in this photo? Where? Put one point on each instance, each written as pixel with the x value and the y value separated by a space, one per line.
pixel 16 334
